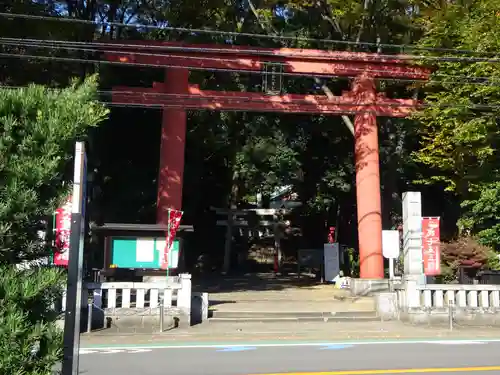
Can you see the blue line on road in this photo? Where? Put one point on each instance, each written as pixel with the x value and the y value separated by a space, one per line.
pixel 237 349
pixel 336 347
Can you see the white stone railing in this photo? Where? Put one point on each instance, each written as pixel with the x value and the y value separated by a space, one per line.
pixel 123 295
pixel 462 296
pixel 442 303
pixel 438 296
pixel 115 298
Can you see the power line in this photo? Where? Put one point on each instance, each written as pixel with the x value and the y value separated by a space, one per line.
pixel 134 64
pixel 304 101
pixel 214 98
pixel 196 68
pixel 162 106
pixel 242 34
pixel 71 47
pixel 365 57
pixel 485 81
pixel 192 48
pixel 74 47
pixel 347 112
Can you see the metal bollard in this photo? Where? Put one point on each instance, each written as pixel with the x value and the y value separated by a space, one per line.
pixel 450 314
pixel 162 314
pixel 90 306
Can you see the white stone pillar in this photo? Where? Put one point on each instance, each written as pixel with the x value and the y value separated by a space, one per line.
pixel 412 293
pixel 184 297
pixel 412 236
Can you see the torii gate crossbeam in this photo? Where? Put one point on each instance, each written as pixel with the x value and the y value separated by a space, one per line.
pixel 175 95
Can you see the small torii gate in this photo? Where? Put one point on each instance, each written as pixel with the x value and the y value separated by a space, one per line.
pixel 176 95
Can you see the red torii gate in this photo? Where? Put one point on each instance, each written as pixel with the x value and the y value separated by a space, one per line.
pixel 176 95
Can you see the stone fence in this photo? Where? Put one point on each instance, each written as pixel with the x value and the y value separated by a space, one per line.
pixel 141 304
pixel 438 303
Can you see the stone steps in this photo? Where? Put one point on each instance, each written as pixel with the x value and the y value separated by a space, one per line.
pixel 289 317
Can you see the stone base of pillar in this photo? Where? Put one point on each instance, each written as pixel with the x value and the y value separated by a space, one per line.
pixel 367 287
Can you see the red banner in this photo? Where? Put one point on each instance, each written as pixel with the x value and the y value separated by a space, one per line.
pixel 174 220
pixel 431 250
pixel 331 235
pixel 62 233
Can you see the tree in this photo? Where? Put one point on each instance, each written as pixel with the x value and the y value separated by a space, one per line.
pixel 236 152
pixel 459 127
pixel 467 252
pixel 38 128
pixel 482 215
pixel 30 342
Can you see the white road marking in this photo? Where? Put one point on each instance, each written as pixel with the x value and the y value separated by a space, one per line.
pixel 454 342
pixel 87 351
pixel 294 344
pixel 139 351
pixel 113 351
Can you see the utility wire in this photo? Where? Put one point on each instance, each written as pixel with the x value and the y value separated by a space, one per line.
pixel 193 58
pixel 196 68
pixel 239 99
pixel 351 112
pixel 214 98
pixel 351 56
pixel 304 101
pixel 216 48
pixel 454 79
pixel 181 106
pixel 240 34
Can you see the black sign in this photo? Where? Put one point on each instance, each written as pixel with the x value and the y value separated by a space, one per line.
pixel 272 79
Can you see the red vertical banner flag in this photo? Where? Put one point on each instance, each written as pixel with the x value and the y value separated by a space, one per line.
pixel 331 235
pixel 62 233
pixel 174 220
pixel 431 250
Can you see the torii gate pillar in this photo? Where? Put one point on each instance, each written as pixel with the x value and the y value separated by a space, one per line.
pixel 366 153
pixel 172 147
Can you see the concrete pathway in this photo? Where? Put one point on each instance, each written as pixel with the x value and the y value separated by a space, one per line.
pixel 266 293
pixel 290 306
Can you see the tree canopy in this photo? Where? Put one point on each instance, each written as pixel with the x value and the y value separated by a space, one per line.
pixel 39 127
pixel 38 130
pixel 447 150
pixel 458 130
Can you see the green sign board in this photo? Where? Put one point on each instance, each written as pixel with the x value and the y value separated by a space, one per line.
pixel 142 252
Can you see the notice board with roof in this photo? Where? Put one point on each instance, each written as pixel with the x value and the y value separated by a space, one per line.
pixel 139 248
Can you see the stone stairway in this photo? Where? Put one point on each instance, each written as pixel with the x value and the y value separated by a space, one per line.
pixel 318 303
pixel 291 316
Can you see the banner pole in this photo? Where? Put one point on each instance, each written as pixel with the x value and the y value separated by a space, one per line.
pixel 167 250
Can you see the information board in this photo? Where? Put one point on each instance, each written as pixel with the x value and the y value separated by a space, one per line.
pixel 142 252
pixel 331 255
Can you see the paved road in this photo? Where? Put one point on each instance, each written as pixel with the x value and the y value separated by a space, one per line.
pixel 347 358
